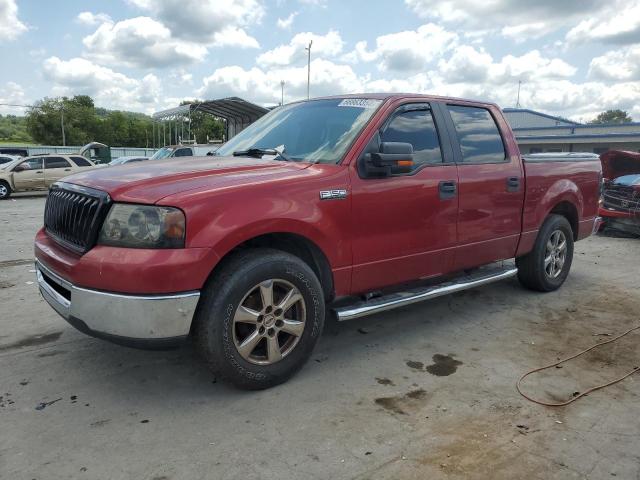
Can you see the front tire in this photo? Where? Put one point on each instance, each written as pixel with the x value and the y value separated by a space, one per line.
pixel 5 190
pixel 259 318
pixel 547 266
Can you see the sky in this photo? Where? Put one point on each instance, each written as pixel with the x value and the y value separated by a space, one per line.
pixel 575 58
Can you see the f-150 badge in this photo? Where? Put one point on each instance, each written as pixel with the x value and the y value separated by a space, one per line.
pixel 333 194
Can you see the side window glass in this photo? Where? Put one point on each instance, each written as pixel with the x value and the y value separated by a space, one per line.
pixel 183 152
pixel 417 128
pixel 478 135
pixel 56 162
pixel 32 164
pixel 81 161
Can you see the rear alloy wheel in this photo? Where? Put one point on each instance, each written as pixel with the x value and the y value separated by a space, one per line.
pixel 259 318
pixel 555 254
pixel 5 190
pixel 547 266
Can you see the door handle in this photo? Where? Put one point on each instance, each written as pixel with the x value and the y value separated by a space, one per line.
pixel 447 189
pixel 513 184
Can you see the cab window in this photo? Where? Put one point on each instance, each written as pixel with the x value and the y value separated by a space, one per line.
pixel 478 134
pixel 183 152
pixel 417 128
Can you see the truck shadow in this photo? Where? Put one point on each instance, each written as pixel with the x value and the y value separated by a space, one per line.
pixel 162 377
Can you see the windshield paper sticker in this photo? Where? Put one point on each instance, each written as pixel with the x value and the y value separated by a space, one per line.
pixel 359 102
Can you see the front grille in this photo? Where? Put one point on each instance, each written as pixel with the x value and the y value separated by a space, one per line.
pixel 73 215
pixel 623 198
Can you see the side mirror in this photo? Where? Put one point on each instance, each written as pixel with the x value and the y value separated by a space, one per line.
pixel 19 168
pixel 393 158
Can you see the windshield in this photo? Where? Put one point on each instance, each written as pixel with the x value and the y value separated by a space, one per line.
pixel 318 131
pixel 164 152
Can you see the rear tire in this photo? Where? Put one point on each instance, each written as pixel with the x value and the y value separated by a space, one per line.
pixel 547 266
pixel 5 190
pixel 259 318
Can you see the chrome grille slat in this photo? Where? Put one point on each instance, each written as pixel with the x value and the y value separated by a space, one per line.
pixel 74 214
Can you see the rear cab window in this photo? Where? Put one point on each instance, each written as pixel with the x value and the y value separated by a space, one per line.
pixel 415 125
pixel 479 137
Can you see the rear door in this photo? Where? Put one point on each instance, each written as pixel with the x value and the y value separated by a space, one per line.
pixel 491 187
pixel 56 168
pixel 404 226
pixel 32 177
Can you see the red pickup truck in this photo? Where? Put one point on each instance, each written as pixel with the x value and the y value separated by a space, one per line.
pixel 347 205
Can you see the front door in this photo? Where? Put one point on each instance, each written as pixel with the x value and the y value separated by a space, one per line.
pixel 404 228
pixel 55 168
pixel 491 188
pixel 29 175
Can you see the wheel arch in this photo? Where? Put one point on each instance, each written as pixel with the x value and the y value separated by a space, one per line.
pixel 568 210
pixel 295 244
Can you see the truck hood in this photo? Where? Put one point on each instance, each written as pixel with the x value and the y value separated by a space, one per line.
pixel 150 181
pixel 617 163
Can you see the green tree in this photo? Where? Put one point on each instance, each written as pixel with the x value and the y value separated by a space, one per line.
pixel 45 118
pixel 84 123
pixel 14 129
pixel 612 116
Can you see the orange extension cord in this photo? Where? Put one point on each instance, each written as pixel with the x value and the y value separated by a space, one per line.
pixel 586 392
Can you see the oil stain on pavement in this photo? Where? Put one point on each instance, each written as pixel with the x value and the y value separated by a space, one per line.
pixel 404 404
pixel 443 365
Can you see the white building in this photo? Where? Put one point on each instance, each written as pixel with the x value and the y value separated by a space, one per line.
pixel 538 132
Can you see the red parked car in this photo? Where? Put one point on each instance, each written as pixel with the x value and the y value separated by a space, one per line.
pixel 620 208
pixel 346 205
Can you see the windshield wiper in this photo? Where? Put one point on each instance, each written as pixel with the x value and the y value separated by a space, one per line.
pixel 259 152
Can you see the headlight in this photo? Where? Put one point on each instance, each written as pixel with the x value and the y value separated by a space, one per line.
pixel 143 226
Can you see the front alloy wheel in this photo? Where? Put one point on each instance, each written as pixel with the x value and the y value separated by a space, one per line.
pixel 259 317
pixel 269 322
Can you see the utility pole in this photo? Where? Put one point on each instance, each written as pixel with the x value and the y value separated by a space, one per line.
pixel 518 100
pixel 308 49
pixel 281 92
pixel 64 140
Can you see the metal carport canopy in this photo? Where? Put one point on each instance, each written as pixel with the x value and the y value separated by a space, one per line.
pixel 238 113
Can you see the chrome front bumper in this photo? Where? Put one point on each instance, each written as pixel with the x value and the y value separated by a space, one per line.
pixel 136 320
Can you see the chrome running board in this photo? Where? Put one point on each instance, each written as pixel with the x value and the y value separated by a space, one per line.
pixel 474 279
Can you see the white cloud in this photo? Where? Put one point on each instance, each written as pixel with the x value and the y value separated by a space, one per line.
pixel 528 19
pixel 328 45
pixel 234 37
pixel 91 19
pixel 619 27
pixel 10 25
pixel 14 94
pixel 261 86
pixel 285 23
pixel 410 50
pixel 140 42
pixel 203 20
pixel 109 88
pixel 617 65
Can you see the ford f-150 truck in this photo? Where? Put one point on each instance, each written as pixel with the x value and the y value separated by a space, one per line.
pixel 346 206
